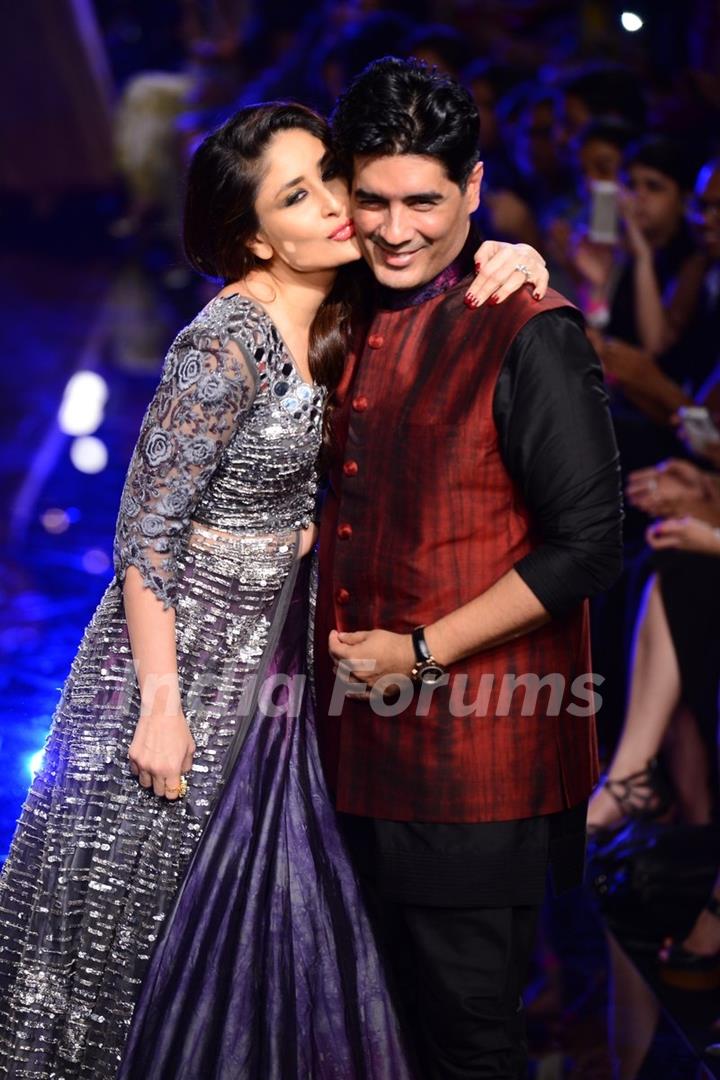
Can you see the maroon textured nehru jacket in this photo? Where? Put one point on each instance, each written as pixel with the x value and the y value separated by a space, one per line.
pixel 421 517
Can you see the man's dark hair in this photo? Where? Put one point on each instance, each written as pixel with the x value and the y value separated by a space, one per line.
pixel 403 107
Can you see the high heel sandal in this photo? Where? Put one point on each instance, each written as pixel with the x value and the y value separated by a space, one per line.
pixel 688 970
pixel 641 795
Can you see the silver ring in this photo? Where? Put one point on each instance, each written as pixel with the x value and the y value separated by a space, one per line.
pixel 523 270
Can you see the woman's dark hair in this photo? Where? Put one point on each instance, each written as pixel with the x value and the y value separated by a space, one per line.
pixel 402 107
pixel 667 156
pixel 220 219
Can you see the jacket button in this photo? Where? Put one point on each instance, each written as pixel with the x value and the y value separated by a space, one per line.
pixel 344 531
pixel 342 596
pixel 376 341
pixel 350 468
pixel 360 403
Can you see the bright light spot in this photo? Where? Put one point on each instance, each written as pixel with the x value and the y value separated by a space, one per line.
pixel 35 762
pixel 89 454
pixel 95 561
pixel 55 521
pixel 631 21
pixel 81 409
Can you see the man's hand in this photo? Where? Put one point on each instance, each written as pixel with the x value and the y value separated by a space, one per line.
pixel 497 274
pixel 375 652
pixel 684 534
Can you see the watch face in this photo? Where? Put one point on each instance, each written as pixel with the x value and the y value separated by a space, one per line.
pixel 431 673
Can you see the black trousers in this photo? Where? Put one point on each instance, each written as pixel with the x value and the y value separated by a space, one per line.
pixel 456 976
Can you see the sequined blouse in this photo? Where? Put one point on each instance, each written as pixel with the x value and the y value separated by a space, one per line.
pixel 230 439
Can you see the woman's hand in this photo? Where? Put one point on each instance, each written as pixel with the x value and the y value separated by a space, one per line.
pixel 669 489
pixel 496 264
pixel 161 751
pixel 684 534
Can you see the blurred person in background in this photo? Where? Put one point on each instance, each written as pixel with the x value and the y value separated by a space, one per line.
pixel 676 664
pixel 596 155
pixel 645 400
pixel 524 169
pixel 488 81
pixel 674 661
pixel 643 292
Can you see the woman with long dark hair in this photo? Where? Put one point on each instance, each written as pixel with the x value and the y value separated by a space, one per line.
pixel 184 735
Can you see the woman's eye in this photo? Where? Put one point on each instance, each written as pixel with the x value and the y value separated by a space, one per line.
pixel 295 197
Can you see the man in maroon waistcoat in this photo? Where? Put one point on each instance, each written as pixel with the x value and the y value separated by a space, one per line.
pixel 473 506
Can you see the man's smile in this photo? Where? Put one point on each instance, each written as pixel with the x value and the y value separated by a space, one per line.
pixel 396 259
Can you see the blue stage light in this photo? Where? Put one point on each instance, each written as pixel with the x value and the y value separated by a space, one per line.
pixel 35 762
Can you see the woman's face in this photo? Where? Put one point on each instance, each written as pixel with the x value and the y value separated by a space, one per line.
pixel 303 207
pixel 657 199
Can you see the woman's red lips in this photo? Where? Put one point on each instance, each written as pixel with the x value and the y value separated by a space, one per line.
pixel 346 231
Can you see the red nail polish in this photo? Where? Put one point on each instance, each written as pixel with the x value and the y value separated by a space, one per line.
pixel 471 302
pixel 477 267
pixel 536 296
pixel 494 299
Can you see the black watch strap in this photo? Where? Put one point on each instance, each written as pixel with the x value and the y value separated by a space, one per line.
pixel 420 645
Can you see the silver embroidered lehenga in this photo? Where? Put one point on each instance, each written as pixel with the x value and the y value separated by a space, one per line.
pixel 222 479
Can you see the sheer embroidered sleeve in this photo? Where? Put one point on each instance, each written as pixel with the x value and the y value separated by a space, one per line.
pixel 207 386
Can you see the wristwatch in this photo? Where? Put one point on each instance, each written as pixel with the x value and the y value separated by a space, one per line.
pixel 426 669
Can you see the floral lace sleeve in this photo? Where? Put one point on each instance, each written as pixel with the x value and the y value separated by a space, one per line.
pixel 206 386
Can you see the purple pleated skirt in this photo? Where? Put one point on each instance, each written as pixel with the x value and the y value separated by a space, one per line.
pixel 266 967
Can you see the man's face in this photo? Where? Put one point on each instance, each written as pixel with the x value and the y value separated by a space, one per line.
pixel 411 220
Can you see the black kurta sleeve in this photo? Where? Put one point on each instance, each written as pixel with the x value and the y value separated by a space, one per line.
pixel 557 441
